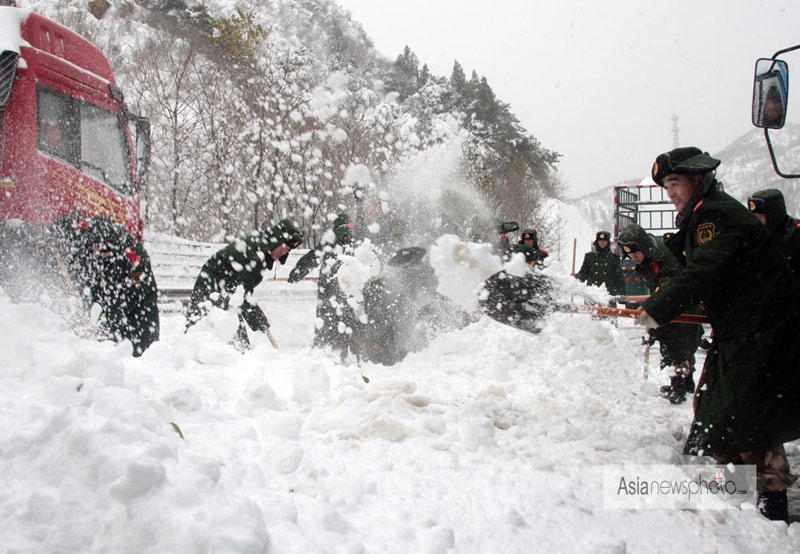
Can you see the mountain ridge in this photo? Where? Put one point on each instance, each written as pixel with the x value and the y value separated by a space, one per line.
pixel 746 168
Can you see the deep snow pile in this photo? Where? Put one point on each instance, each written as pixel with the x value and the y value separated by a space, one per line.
pixel 488 440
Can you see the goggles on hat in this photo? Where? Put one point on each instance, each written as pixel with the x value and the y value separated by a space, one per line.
pixel 757 205
pixel 294 241
pixel 629 247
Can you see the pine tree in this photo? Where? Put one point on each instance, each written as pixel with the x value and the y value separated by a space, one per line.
pixel 457 78
pixel 406 73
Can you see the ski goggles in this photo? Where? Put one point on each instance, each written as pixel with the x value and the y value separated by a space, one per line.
pixel 294 241
pixel 757 205
pixel 629 247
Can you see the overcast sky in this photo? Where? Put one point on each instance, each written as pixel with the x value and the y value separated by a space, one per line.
pixel 596 80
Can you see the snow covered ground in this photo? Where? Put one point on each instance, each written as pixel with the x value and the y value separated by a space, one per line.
pixel 488 440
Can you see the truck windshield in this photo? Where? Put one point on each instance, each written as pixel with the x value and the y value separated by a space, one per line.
pixel 103 147
pixel 84 136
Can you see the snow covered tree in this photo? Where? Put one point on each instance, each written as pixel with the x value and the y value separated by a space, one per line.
pixel 258 109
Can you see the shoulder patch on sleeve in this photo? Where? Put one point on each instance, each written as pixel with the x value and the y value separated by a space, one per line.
pixel 705 232
pixel 132 256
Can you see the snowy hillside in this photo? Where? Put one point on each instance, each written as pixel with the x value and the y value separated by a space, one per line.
pixel 746 168
pixel 598 207
pixel 575 236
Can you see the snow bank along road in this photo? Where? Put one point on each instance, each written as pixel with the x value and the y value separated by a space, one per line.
pixel 487 440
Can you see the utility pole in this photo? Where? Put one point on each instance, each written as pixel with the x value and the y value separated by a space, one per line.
pixel 675 142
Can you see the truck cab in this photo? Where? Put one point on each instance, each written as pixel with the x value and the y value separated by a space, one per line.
pixel 68 144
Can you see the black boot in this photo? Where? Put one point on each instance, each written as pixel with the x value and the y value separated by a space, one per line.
pixel 676 391
pixel 240 341
pixel 688 382
pixel 774 505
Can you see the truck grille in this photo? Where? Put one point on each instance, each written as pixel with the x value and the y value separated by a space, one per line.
pixel 8 68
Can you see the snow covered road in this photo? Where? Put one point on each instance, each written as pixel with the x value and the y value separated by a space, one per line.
pixel 489 440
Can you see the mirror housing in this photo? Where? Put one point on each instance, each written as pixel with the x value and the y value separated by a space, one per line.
pixel 8 71
pixel 770 93
pixel 141 149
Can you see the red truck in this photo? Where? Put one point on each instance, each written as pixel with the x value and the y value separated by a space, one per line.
pixel 67 141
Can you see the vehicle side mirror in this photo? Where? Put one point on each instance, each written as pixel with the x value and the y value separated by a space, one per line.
pixel 8 71
pixel 142 150
pixel 770 93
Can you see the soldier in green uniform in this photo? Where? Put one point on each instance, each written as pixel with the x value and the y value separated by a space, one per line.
pixel 109 268
pixel 496 234
pixel 242 263
pixel 342 229
pixel 770 208
pixel 655 266
pixel 747 402
pixel 602 267
pixel 384 229
pixel 528 245
pixel 336 321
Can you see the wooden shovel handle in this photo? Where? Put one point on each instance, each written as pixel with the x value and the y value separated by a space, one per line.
pixel 633 314
pixel 271 339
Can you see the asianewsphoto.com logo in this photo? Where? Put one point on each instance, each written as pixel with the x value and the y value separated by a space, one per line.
pixel 678 486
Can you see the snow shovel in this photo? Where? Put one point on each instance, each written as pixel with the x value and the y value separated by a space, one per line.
pixel 638 299
pixel 648 343
pixel 271 339
pixel 522 302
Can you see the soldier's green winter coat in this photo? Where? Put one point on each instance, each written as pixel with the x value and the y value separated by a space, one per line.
pixel 678 341
pixel 601 266
pixel 333 308
pixel 785 227
pixel 533 256
pixel 240 263
pixel 120 281
pixel 750 395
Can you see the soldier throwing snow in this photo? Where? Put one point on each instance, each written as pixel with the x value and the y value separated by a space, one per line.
pixel 242 263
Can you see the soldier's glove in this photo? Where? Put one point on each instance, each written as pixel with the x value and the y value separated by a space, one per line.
pixel 645 320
